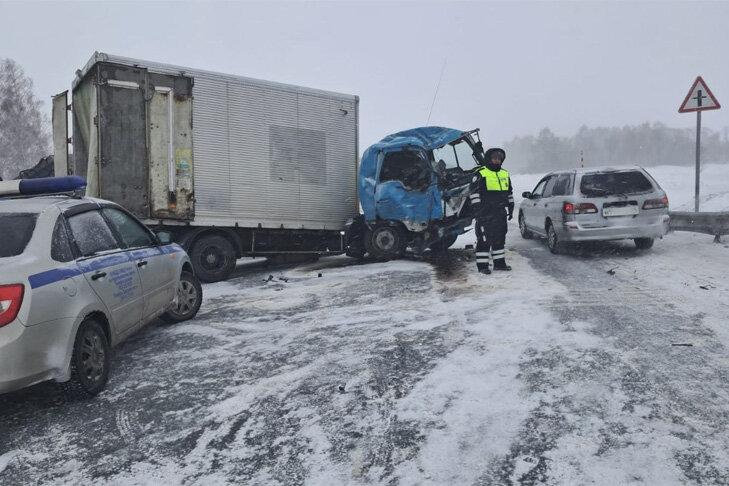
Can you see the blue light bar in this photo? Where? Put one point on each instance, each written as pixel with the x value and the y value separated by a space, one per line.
pixel 46 185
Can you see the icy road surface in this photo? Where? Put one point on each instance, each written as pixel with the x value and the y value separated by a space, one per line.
pixel 605 366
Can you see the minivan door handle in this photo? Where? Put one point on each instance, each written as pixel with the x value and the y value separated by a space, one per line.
pixel 142 263
pixel 98 275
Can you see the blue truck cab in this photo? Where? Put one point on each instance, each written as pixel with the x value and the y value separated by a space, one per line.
pixel 414 189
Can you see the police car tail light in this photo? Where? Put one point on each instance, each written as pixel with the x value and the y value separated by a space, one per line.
pixel 656 203
pixel 11 296
pixel 583 208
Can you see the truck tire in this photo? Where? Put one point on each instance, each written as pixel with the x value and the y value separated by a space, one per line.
pixel 90 361
pixel 188 299
pixel 213 258
pixel 385 242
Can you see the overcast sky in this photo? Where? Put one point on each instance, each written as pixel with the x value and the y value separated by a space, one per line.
pixel 511 68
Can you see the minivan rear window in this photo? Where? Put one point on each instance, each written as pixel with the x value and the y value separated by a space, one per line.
pixel 17 228
pixel 609 183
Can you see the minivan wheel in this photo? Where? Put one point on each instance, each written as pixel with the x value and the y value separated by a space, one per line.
pixel 552 240
pixel 525 233
pixel 90 361
pixel 187 301
pixel 643 243
pixel 385 242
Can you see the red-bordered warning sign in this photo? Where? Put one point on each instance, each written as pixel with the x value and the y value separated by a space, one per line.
pixel 699 98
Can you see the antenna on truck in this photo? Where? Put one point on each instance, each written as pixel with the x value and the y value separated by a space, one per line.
pixel 436 90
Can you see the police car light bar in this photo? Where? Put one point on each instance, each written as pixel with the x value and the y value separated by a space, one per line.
pixel 45 185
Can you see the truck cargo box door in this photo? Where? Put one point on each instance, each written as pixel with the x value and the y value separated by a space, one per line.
pixel 170 147
pixel 122 122
pixel 60 134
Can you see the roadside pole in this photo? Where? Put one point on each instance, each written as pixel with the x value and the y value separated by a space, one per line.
pixel 698 99
pixel 698 161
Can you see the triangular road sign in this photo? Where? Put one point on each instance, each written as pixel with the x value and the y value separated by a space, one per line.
pixel 699 98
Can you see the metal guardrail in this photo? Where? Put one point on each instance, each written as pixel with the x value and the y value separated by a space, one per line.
pixel 716 224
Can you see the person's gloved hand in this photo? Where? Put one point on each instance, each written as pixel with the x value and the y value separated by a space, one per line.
pixel 511 215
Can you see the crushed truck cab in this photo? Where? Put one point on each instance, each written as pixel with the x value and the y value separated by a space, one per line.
pixel 414 189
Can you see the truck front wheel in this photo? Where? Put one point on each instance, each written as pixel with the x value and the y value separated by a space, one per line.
pixel 385 242
pixel 213 257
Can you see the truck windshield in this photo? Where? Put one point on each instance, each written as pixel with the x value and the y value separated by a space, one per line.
pixel 457 154
pixel 17 229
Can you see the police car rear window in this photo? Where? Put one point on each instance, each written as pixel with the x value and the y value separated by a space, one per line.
pixel 17 228
pixel 610 183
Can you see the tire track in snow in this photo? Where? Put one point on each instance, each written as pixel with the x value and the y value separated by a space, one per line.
pixel 652 413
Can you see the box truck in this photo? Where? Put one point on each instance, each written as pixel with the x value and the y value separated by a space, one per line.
pixel 230 166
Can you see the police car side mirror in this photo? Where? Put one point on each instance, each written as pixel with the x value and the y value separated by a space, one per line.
pixel 526 195
pixel 164 237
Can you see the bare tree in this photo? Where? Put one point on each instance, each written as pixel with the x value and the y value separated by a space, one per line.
pixel 24 129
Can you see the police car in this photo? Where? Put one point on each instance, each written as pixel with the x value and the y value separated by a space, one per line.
pixel 78 276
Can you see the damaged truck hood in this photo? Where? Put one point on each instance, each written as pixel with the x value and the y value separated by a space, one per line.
pixel 423 138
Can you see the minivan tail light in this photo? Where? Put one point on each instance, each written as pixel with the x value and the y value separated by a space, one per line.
pixel 582 208
pixel 656 203
pixel 11 296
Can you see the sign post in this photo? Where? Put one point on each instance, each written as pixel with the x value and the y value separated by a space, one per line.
pixel 698 99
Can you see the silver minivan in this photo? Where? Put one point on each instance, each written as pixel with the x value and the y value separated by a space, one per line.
pixel 595 204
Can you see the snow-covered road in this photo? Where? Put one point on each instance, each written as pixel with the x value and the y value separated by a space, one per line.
pixel 603 366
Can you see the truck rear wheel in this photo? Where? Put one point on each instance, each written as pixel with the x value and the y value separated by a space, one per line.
pixel 385 242
pixel 213 257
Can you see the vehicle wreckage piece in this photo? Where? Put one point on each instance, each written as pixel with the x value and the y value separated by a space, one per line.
pixel 414 189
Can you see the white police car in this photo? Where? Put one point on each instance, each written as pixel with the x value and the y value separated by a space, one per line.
pixel 77 277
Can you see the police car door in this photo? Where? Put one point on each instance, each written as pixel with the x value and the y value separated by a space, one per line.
pixel 156 267
pixel 107 267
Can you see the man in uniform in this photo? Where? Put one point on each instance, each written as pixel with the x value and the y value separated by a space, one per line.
pixel 493 199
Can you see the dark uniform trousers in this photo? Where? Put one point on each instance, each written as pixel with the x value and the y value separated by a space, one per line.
pixel 490 236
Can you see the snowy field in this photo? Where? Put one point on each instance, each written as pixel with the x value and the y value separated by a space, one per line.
pixel 606 365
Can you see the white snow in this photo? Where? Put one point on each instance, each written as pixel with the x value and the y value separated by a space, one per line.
pixel 509 375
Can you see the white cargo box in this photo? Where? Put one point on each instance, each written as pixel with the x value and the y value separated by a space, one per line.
pixel 202 148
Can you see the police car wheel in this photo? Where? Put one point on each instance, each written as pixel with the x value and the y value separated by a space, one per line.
pixel 90 361
pixel 187 300
pixel 385 242
pixel 525 233
pixel 213 257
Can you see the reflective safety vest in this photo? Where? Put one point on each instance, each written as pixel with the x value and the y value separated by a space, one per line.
pixel 495 181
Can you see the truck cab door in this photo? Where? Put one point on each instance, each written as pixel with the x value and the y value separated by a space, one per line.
pixel 404 189
pixel 107 268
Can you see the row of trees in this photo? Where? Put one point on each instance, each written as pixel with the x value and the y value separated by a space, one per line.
pixel 25 136
pixel 646 145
